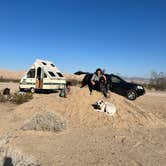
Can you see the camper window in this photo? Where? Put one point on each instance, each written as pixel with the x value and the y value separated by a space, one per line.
pixel 31 73
pixel 44 63
pixel 51 74
pixel 45 76
pixel 59 74
pixel 52 65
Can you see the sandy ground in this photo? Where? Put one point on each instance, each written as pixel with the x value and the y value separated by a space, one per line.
pixel 134 136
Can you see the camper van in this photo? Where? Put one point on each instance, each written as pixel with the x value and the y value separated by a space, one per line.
pixel 43 75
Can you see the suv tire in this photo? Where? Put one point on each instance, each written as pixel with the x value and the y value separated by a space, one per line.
pixel 131 94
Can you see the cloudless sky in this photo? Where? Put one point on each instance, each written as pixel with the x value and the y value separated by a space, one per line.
pixel 124 36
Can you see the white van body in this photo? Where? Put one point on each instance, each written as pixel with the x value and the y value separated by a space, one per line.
pixel 43 75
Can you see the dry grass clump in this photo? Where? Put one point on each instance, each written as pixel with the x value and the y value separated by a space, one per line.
pixel 20 98
pixel 17 97
pixel 45 121
pixel 2 97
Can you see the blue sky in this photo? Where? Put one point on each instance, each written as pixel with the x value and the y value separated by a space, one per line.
pixel 121 36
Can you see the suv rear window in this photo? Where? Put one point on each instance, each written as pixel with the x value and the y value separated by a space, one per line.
pixel 52 74
pixel 115 79
pixel 60 74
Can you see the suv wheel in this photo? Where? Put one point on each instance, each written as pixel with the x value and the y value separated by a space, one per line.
pixel 131 95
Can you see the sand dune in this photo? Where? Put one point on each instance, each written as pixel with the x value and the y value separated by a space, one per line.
pixel 7 74
pixel 17 75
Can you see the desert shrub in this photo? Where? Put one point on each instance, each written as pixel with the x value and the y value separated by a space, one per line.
pixel 2 97
pixel 45 121
pixel 17 97
pixel 158 81
pixel 149 86
pixel 20 98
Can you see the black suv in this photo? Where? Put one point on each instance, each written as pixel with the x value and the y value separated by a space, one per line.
pixel 120 86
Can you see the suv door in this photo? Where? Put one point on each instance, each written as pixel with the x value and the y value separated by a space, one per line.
pixel 117 85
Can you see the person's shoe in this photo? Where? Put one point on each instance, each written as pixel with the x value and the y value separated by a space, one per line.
pixel 106 95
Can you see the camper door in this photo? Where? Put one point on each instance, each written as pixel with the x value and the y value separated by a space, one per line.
pixel 39 78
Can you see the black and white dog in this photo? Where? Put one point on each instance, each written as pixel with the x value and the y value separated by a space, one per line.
pixel 101 106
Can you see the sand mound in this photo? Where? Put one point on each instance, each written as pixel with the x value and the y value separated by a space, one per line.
pixel 73 77
pixel 46 121
pixel 44 110
pixel 78 110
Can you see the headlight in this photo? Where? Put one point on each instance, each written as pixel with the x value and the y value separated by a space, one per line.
pixel 139 87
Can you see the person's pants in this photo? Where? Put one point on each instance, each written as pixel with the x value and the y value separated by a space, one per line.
pixel 102 88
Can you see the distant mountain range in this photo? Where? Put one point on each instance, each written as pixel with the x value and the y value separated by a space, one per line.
pixel 139 80
pixel 16 75
pixel 7 74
